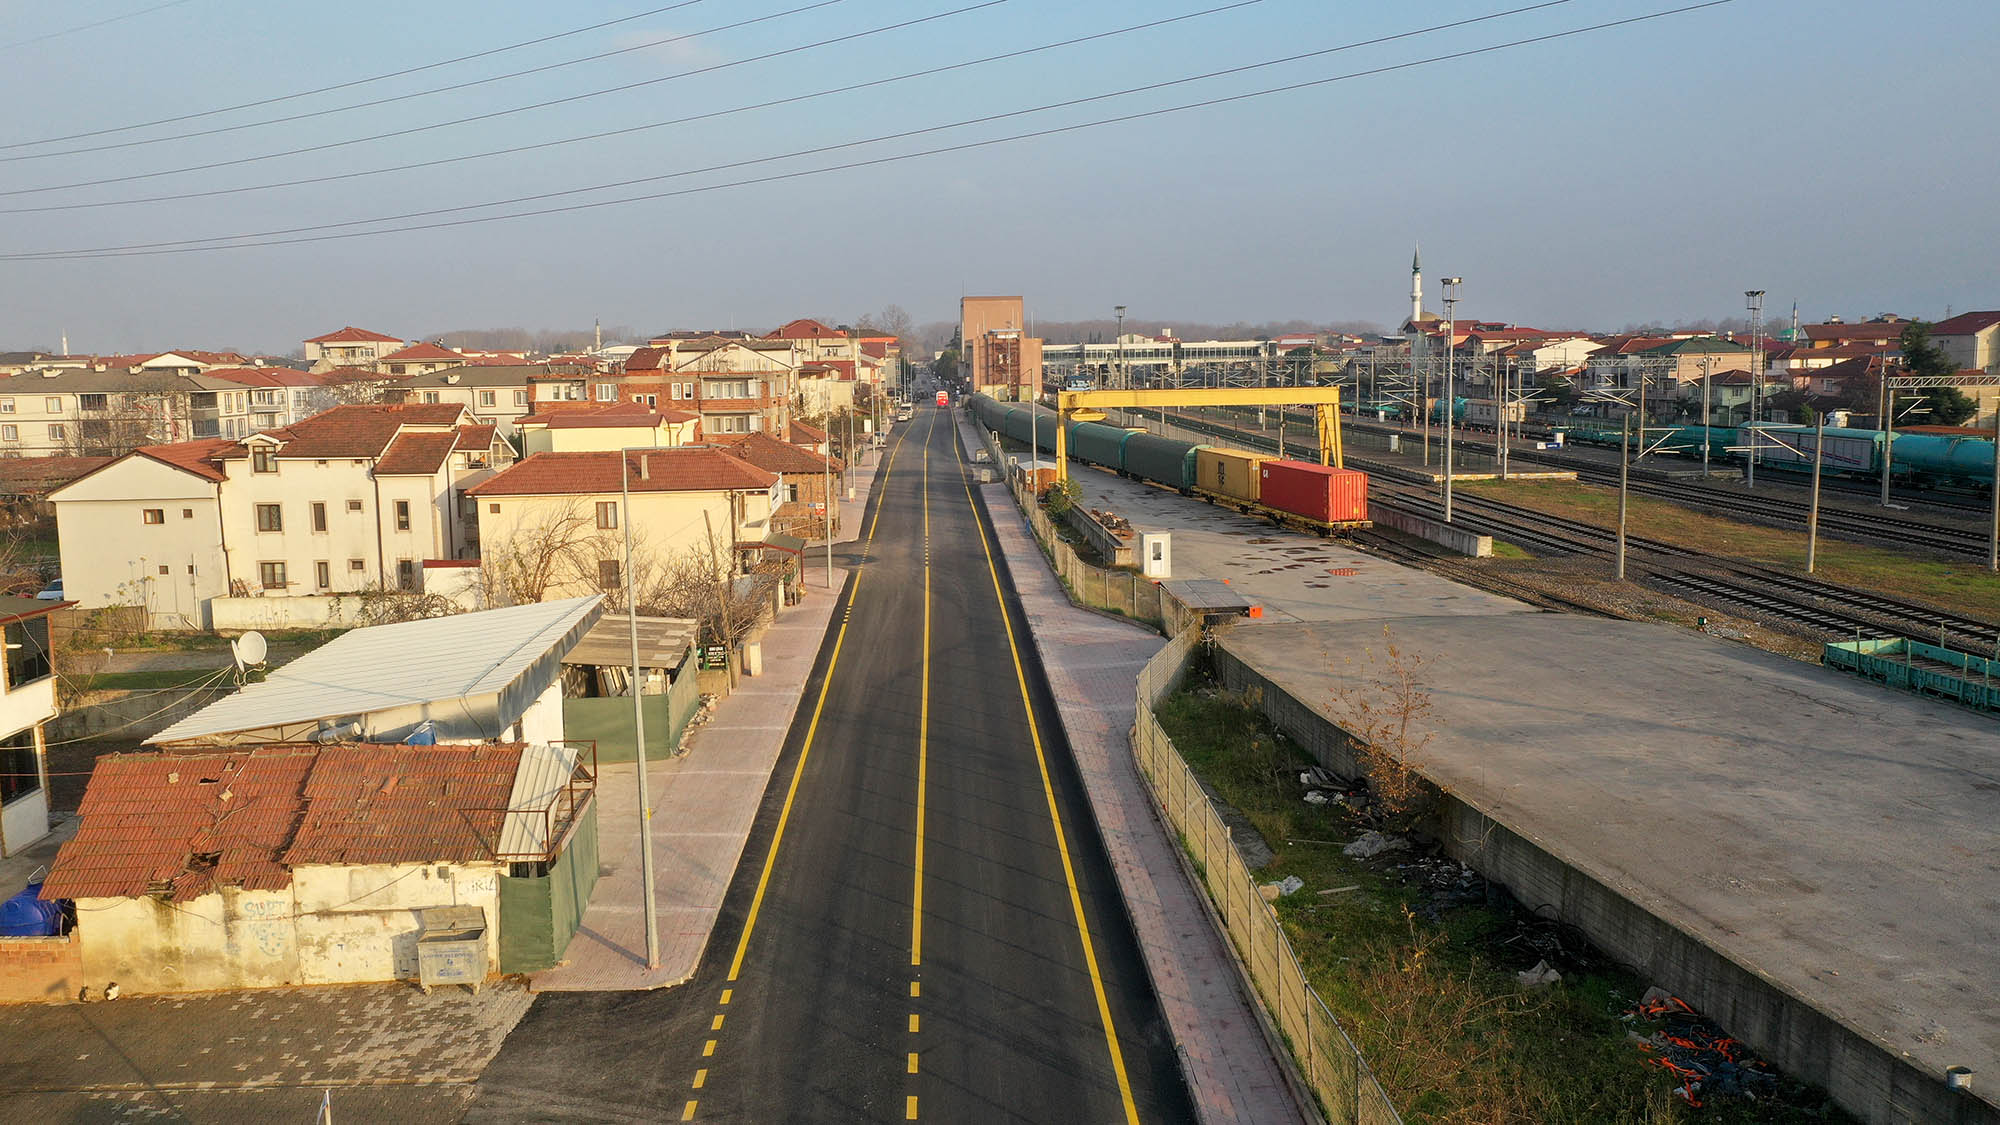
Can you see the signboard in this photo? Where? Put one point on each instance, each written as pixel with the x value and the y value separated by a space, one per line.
pixel 714 656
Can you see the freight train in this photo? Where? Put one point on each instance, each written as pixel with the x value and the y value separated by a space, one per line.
pixel 1924 460
pixel 1287 492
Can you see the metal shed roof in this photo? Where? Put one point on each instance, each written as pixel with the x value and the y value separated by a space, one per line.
pixel 663 642
pixel 536 807
pixel 407 664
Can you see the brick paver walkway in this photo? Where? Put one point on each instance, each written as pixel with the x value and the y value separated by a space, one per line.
pixel 703 805
pixel 1092 663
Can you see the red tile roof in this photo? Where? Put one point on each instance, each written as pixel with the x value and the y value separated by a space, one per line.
pixel 33 476
pixel 353 335
pixel 417 454
pixel 380 804
pixel 768 453
pixel 423 352
pixel 478 437
pixel 184 824
pixel 804 328
pixel 802 434
pixel 1965 324
pixel 646 359
pixel 597 473
pixel 197 457
pixel 266 376
pixel 361 430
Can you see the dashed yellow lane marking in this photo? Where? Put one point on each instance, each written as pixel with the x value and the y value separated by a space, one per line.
pixel 727 993
pixel 914 988
pixel 700 1078
pixel 913 1023
pixel 910 1108
pixel 716 1024
pixel 708 1049
pixel 913 1062
pixel 1055 815
pixel 923 725
pixel 687 1114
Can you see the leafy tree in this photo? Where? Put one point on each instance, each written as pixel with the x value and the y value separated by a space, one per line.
pixel 1922 357
pixel 946 367
pixel 1950 406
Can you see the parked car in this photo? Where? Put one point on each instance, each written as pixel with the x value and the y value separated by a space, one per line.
pixel 52 593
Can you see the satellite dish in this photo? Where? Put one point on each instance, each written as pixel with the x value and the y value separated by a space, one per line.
pixel 249 649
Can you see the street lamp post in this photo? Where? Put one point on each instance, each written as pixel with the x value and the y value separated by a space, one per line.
pixel 1123 378
pixel 1754 301
pixel 638 712
pixel 1451 285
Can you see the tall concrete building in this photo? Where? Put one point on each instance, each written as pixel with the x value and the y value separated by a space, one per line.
pixel 1000 358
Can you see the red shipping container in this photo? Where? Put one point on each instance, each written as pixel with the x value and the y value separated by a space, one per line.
pixel 1317 492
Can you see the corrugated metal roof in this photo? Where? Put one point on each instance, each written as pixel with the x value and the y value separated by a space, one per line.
pixel 406 664
pixel 533 807
pixel 663 642
pixel 405 804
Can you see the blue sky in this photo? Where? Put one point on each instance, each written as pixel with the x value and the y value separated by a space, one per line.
pixel 1647 172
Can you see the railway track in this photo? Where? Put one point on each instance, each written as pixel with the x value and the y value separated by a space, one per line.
pixel 1824 609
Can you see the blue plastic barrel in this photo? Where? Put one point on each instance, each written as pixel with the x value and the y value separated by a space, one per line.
pixel 26 915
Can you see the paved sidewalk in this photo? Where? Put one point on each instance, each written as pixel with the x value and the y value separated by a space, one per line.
pixel 704 804
pixel 1092 670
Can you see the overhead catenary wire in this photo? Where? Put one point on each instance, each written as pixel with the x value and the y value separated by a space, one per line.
pixel 414 94
pixel 272 238
pixel 349 84
pixel 497 113
pixel 43 38
pixel 709 116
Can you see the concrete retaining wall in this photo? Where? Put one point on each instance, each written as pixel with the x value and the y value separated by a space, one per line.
pixel 137 714
pixel 1864 1075
pixel 1429 530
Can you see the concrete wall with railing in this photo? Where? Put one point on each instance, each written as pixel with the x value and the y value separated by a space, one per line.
pixel 1328 1062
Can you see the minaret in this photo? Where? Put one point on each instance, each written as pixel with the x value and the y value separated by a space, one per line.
pixel 1417 285
pixel 1795 322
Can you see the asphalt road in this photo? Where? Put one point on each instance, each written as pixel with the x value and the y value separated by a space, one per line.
pixel 924 926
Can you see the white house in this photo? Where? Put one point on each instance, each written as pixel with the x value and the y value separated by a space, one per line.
pixel 349 347
pixel 353 499
pixel 27 705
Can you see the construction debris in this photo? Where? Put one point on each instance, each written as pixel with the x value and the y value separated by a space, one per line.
pixel 1538 976
pixel 1289 885
pixel 1372 844
pixel 1707 1061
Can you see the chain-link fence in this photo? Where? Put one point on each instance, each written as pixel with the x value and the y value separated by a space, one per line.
pixel 1329 1062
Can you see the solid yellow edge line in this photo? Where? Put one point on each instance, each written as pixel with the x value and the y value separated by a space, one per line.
pixel 1055 817
pixel 812 728
pixel 923 721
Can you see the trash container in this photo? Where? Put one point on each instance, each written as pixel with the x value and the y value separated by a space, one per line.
pixel 451 947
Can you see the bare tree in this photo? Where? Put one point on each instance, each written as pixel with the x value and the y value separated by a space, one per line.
pixel 1387 714
pixel 540 557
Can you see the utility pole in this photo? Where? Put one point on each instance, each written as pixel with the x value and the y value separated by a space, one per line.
pixel 1812 516
pixel 1888 399
pixel 1624 476
pixel 1451 285
pixel 1642 409
pixel 1707 419
pixel 1754 301
pixel 639 716
pixel 1124 377
pixel 826 514
pixel 1993 492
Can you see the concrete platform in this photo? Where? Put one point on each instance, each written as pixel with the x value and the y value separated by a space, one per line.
pixel 1836 842
pixel 1292 575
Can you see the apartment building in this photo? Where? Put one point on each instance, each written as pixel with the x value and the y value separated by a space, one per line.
pixel 68 411
pixel 1000 358
pixel 27 706
pixel 349 347
pixel 354 498
pixel 499 395
pixel 591 427
pixel 553 525
pixel 734 384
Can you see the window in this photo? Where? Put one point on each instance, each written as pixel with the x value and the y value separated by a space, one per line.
pixel 53 405
pixel 357 564
pixel 493 509
pixel 402 515
pixel 406 574
pixel 520 398
pixel 10 433
pixel 322 574
pixel 652 400
pixel 270 517
pixel 163 572
pixel 58 432
pixel 792 493
pixel 263 460
pixel 27 643
pixel 154 515
pixel 607 516
pixel 395 369
pixel 6 406
pixel 607 392
pixel 271 575
pixel 354 505
pixel 430 396
pixel 607 573
pixel 187 513
pixel 319 515
pixel 20 771
pixel 486 398
pixel 83 402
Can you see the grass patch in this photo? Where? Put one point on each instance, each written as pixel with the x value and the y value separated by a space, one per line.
pixel 151 681
pixel 1427 990
pixel 1964 586
pixel 1505 550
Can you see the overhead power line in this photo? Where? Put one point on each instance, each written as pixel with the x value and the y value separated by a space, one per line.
pixel 229 242
pixel 348 85
pixel 88 26
pixel 332 177
pixel 393 98
pixel 491 114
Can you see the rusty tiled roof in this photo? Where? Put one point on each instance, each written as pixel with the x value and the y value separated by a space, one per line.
pixel 34 476
pixel 770 454
pixel 597 473
pixel 1966 324
pixel 184 824
pixel 423 352
pixel 802 434
pixel 405 804
pixel 478 437
pixel 197 457
pixel 363 430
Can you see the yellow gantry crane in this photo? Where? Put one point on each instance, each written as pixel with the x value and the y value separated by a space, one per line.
pixel 1089 406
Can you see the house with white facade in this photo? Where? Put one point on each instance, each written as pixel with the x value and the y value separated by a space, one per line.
pixel 555 525
pixel 27 706
pixel 64 411
pixel 1972 340
pixel 588 427
pixel 499 395
pixel 349 347
pixel 353 499
pixel 420 358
